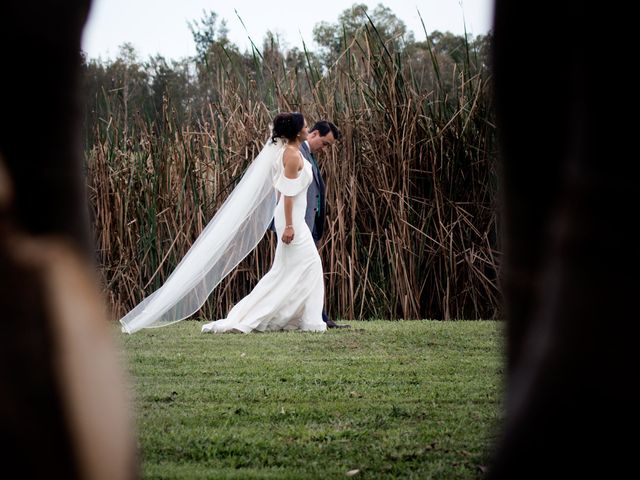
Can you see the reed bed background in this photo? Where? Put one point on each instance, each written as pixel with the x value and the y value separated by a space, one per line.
pixel 412 228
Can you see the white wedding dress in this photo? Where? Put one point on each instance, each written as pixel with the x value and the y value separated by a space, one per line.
pixel 291 295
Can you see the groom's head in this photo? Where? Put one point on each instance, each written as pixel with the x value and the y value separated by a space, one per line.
pixel 322 135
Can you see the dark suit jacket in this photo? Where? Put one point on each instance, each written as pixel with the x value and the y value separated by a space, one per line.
pixel 316 212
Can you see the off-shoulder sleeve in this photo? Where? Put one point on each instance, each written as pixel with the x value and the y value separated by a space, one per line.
pixel 291 186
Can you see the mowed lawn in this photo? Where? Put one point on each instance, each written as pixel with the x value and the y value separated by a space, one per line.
pixel 408 399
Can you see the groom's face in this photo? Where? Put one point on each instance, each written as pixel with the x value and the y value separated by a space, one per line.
pixel 318 143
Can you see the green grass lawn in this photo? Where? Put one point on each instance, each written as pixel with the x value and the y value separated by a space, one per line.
pixel 410 399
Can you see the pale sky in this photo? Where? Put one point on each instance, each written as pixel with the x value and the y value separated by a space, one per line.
pixel 161 26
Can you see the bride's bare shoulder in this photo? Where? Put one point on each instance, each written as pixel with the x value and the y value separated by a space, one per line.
pixel 292 157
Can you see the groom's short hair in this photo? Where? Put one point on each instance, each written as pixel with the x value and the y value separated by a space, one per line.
pixel 324 127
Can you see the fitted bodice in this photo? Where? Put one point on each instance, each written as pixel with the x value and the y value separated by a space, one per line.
pixel 297 189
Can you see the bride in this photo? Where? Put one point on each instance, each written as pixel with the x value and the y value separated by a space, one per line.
pixel 291 295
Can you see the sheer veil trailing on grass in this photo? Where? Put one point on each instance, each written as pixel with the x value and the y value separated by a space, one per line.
pixel 230 236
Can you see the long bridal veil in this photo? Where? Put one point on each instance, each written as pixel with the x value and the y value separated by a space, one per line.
pixel 230 236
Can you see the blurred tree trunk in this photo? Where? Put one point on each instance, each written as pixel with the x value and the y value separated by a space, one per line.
pixel 569 266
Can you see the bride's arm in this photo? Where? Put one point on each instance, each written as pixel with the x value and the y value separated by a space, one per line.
pixel 291 166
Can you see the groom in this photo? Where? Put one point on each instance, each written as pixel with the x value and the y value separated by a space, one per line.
pixel 322 135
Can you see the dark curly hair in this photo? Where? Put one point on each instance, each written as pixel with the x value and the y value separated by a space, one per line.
pixel 287 125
